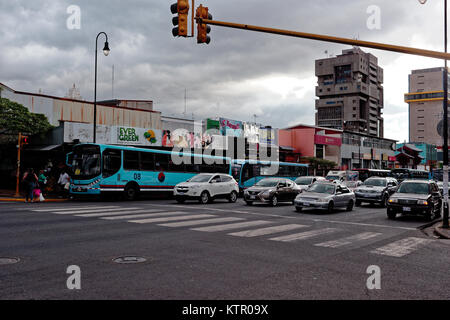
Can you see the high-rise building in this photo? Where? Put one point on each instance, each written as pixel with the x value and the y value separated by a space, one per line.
pixel 350 92
pixel 425 99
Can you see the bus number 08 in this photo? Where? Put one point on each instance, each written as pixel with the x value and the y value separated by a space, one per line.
pixel 137 176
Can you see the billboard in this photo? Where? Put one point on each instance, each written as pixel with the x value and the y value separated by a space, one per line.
pixel 232 128
pixel 136 136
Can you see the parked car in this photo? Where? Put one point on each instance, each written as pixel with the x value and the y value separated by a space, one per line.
pixel 376 190
pixel 305 182
pixel 416 197
pixel 272 191
pixel 206 187
pixel 325 195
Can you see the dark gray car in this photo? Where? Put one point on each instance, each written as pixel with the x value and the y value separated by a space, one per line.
pixel 327 196
pixel 376 190
pixel 272 191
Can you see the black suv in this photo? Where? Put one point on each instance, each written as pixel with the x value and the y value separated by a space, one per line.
pixel 416 197
pixel 375 190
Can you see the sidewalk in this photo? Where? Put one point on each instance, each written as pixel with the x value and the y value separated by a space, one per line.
pixel 444 233
pixel 9 196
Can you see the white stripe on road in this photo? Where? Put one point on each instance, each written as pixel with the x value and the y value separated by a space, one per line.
pixel 364 224
pixel 269 230
pixel 94 210
pixel 105 214
pixel 304 235
pixel 198 222
pixel 197 216
pixel 74 208
pixel 402 247
pixel 133 216
pixel 348 240
pixel 230 226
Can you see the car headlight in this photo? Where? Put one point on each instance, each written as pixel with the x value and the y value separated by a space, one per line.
pixel 422 202
pixel 393 200
pixel 323 200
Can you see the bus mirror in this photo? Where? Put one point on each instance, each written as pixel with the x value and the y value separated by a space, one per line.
pixel 69 159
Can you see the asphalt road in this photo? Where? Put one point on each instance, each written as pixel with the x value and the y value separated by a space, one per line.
pixel 216 251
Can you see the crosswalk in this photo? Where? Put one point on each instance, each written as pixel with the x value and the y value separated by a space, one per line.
pixel 243 227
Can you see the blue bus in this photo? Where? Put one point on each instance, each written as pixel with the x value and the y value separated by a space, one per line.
pixel 99 169
pixel 248 172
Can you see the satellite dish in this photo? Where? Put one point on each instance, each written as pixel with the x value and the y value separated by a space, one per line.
pixel 440 128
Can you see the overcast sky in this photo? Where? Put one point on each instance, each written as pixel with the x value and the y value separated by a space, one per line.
pixel 239 74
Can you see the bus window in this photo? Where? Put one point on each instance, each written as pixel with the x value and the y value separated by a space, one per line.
pixel 131 160
pixel 236 172
pixel 161 161
pixel 147 161
pixel 176 167
pixel 250 171
pixel 112 161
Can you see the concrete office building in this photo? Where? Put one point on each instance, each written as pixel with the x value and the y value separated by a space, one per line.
pixel 425 99
pixel 350 93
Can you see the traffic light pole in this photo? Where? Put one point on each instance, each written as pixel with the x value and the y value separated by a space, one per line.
pixel 19 146
pixel 312 36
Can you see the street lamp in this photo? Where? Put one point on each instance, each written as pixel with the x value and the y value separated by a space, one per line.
pixel 105 52
pixel 445 124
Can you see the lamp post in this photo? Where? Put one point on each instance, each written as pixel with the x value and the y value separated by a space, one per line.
pixel 445 124
pixel 105 52
pixel 360 158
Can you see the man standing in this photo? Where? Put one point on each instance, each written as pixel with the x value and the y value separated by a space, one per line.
pixel 64 182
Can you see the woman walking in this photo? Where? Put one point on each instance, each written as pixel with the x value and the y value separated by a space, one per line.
pixel 30 180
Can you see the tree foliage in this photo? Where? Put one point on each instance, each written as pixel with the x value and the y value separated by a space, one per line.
pixel 317 163
pixel 15 118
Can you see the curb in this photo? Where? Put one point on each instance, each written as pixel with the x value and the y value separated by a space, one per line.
pixel 23 200
pixel 445 235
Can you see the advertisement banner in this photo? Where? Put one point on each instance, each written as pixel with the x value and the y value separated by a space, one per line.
pixel 231 127
pixel 181 138
pixel 326 140
pixel 136 136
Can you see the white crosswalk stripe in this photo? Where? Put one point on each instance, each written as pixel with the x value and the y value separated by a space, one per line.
pixel 266 231
pixel 402 247
pixel 348 240
pixel 109 213
pixel 75 208
pixel 199 222
pixel 148 215
pixel 186 217
pixel 304 235
pixel 94 210
pixel 223 227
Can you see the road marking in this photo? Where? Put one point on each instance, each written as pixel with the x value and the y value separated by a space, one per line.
pixel 364 224
pixel 188 207
pixel 105 214
pixel 402 247
pixel 304 235
pixel 133 216
pixel 74 208
pixel 268 230
pixel 230 226
pixel 198 222
pixel 348 240
pixel 197 216
pixel 93 211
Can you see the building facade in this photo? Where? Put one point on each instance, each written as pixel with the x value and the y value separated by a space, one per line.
pixel 425 99
pixel 350 92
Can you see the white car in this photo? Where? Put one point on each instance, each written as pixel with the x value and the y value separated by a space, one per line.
pixel 205 187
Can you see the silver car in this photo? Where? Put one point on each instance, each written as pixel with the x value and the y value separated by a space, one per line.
pixel 305 182
pixel 327 196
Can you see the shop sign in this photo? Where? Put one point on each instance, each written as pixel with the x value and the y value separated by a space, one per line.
pixel 327 140
pixel 137 136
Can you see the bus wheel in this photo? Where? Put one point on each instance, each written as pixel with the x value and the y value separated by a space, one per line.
pixel 131 192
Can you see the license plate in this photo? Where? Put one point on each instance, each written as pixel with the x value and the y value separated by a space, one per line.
pixel 306 204
pixel 406 209
pixel 252 197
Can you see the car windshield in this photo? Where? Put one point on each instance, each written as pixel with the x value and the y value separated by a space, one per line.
pixel 332 177
pixel 303 181
pixel 201 178
pixel 413 187
pixel 267 183
pixel 375 182
pixel 322 188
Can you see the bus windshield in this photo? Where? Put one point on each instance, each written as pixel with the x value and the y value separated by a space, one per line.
pixel 86 162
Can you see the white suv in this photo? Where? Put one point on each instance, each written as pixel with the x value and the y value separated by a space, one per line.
pixel 207 186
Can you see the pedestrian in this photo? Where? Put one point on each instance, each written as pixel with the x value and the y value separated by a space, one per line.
pixel 30 181
pixel 42 180
pixel 64 181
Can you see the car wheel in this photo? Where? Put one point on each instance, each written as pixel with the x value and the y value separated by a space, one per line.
pixel 249 203
pixel 383 203
pixel 350 205
pixel 391 214
pixel 204 197
pixel 358 203
pixel 233 197
pixel 330 207
pixel 274 201
pixel 298 209
pixel 131 192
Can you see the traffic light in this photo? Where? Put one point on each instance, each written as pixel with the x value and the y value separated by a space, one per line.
pixel 23 140
pixel 203 29
pixel 182 9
